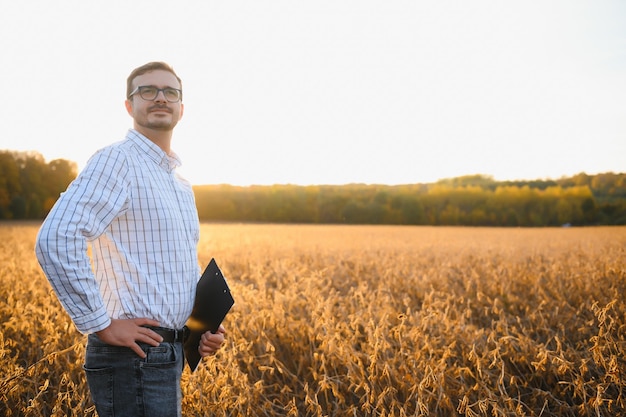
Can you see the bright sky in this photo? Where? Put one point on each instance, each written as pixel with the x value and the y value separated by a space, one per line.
pixel 329 91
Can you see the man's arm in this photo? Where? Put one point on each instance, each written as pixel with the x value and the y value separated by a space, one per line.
pixel 82 213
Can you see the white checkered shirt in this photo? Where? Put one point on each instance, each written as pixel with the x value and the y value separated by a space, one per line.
pixel 141 220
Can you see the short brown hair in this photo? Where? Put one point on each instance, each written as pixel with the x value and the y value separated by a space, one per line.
pixel 150 66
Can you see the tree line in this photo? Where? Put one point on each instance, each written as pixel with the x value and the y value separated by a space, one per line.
pixel 29 187
pixel 476 200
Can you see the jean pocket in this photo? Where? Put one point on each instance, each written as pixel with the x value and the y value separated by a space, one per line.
pixel 101 385
pixel 159 356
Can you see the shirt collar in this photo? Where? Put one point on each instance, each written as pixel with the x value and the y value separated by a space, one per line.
pixel 154 152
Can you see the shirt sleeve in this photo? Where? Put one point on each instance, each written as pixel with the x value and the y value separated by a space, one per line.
pixel 82 213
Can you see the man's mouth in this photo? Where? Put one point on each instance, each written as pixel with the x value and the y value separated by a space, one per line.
pixel 159 109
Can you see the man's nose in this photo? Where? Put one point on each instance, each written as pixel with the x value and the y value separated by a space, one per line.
pixel 160 96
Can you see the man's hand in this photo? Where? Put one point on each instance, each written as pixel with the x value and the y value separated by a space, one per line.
pixel 127 332
pixel 211 342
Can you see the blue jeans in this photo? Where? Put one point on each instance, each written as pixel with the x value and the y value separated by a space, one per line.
pixel 123 384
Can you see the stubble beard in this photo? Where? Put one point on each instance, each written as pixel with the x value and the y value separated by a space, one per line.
pixel 160 125
pixel 159 122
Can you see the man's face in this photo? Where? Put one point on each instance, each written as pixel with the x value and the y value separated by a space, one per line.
pixel 157 114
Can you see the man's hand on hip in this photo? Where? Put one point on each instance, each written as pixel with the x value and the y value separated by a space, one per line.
pixel 127 332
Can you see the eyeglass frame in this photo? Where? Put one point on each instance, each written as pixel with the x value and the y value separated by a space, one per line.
pixel 158 90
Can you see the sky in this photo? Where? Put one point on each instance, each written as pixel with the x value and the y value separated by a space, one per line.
pixel 329 91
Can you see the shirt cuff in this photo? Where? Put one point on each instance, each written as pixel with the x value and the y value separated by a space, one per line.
pixel 91 323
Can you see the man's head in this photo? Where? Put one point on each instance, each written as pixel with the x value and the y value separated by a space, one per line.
pixel 154 99
pixel 150 66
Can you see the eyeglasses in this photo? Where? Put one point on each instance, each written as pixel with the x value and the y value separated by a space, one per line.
pixel 150 92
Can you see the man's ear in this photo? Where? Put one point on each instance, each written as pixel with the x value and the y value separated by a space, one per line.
pixel 182 110
pixel 129 107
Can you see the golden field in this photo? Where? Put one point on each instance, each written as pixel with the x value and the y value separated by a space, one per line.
pixel 364 321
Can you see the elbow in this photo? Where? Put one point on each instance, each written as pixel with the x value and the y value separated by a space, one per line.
pixel 42 247
pixel 45 245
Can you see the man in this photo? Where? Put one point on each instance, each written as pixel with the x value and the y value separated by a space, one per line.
pixel 141 221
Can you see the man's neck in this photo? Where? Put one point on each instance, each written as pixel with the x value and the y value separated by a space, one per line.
pixel 161 138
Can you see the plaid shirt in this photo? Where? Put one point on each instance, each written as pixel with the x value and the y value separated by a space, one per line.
pixel 141 220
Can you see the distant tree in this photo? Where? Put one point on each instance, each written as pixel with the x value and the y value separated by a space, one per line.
pixel 410 207
pixel 479 180
pixel 18 208
pixel 10 186
pixel 589 209
pixel 330 202
pixel 29 186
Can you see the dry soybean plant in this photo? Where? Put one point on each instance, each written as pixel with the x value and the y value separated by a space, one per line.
pixel 365 321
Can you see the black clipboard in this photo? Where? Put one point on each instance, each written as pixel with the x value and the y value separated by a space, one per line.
pixel 213 302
